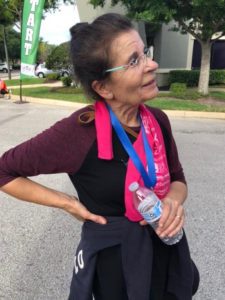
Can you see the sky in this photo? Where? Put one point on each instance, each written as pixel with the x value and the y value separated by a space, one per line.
pixel 55 27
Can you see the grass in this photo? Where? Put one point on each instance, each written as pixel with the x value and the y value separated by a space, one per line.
pixel 14 82
pixel 164 101
pixel 66 90
pixel 180 104
pixel 176 104
pixel 193 95
pixel 56 94
pixel 189 95
pixel 218 95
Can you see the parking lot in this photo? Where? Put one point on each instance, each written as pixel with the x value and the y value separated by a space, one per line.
pixel 38 243
pixel 15 74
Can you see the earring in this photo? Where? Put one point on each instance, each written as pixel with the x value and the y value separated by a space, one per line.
pixel 110 95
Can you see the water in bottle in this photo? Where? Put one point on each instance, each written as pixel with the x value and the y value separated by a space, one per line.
pixel 150 207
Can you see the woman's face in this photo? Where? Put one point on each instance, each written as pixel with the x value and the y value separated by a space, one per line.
pixel 133 85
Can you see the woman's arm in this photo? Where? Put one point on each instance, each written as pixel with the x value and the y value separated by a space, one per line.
pixel 30 191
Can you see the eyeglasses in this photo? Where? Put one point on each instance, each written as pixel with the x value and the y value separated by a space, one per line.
pixel 134 61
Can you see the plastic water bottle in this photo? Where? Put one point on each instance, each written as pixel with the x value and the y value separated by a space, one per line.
pixel 150 207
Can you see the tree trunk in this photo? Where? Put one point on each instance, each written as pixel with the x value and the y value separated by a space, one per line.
pixel 6 52
pixel 203 84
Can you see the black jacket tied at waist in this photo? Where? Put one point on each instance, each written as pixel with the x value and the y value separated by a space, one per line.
pixel 149 265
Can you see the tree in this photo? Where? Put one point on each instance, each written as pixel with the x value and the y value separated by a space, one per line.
pixel 13 44
pixel 59 57
pixel 15 7
pixel 6 19
pixel 44 50
pixel 203 19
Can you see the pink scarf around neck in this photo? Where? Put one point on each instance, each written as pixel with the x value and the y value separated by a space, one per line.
pixel 156 142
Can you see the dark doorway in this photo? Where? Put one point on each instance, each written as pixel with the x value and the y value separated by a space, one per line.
pixel 217 55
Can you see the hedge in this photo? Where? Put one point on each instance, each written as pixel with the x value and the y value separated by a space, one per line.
pixel 52 77
pixel 180 91
pixel 178 88
pixel 67 81
pixel 191 77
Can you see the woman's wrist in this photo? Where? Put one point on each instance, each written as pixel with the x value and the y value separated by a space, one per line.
pixel 66 202
pixel 177 193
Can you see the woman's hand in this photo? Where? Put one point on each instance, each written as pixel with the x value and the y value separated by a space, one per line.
pixel 79 211
pixel 172 218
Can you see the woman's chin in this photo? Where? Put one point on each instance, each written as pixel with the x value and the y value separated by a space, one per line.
pixel 151 94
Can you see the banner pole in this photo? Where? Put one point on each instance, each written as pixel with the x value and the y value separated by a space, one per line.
pixel 21 91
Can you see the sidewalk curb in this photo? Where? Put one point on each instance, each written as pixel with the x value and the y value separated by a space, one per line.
pixel 170 113
pixel 195 114
pixel 35 85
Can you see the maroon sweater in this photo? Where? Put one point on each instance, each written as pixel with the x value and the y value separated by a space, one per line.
pixel 69 147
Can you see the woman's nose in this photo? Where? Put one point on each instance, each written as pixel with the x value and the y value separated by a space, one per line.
pixel 151 65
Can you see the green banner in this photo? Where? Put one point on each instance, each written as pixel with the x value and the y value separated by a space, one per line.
pixel 32 14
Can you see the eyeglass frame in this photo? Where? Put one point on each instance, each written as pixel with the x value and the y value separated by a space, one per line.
pixel 147 54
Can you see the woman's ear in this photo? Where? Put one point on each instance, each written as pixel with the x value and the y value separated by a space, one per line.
pixel 102 89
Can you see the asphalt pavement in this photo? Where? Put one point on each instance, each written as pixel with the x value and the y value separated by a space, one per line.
pixel 15 74
pixel 37 244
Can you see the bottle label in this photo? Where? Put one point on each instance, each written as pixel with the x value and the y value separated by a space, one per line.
pixel 150 213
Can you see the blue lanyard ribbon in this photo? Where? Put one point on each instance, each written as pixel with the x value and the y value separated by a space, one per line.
pixel 150 177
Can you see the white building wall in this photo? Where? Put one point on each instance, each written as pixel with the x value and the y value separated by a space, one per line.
pixel 88 13
pixel 171 48
pixel 172 51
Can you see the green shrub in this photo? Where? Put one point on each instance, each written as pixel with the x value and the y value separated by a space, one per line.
pixel 16 66
pixel 67 81
pixel 178 88
pixel 217 77
pixel 191 77
pixel 52 77
pixel 192 95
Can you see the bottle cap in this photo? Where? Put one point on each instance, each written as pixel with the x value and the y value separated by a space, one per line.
pixel 133 186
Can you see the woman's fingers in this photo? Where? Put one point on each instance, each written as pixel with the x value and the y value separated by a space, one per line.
pixel 172 219
pixel 174 227
pixel 96 218
pixel 174 230
pixel 163 221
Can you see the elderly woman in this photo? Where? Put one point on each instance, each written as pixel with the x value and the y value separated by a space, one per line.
pixel 119 256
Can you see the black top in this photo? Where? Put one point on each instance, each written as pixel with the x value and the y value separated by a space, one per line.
pixel 70 147
pixel 100 183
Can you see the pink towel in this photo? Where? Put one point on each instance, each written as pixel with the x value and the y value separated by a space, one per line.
pixel 155 139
